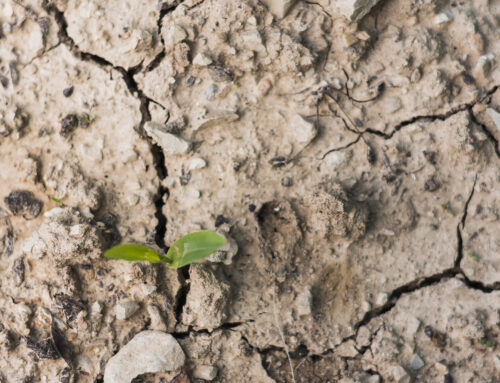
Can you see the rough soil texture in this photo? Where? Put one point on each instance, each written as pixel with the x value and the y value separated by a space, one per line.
pixel 348 150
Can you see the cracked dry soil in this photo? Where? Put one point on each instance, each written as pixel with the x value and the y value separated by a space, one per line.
pixel 350 156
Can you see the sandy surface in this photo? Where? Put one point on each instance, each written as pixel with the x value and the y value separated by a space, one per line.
pixel 348 150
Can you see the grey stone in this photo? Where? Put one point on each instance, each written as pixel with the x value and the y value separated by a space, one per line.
pixel 148 352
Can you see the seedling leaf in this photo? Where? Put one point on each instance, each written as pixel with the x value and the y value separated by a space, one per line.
pixel 134 252
pixel 193 247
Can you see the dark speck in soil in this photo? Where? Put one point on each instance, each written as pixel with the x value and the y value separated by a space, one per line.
pixel 68 91
pixel 23 202
pixel 287 181
pixel 220 220
pixel 252 207
pixel 44 349
pixel 68 125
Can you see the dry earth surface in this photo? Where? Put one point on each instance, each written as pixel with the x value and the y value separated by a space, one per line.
pixel 349 150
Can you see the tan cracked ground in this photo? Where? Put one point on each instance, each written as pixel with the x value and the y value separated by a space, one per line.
pixel 353 165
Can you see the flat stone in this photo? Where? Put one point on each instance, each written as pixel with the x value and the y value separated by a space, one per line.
pixel 495 116
pixel 279 8
pixel 355 9
pixel 303 130
pixel 125 310
pixel 148 352
pixel 202 59
pixel 205 372
pixel 416 362
pixel 171 143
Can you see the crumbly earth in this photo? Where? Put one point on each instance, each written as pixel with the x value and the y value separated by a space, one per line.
pixel 348 150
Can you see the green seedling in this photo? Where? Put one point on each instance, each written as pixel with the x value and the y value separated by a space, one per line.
pixel 473 256
pixel 486 342
pixel 56 199
pixel 446 207
pixel 85 118
pixel 187 249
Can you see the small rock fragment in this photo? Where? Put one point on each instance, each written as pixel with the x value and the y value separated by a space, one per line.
pixel 197 163
pixel 148 352
pixel 125 310
pixel 303 130
pixel 400 375
pixel 23 202
pixel 157 322
pixel 443 18
pixel 347 349
pixel 67 92
pixel 205 372
pixel 279 8
pixel 416 362
pixel 172 144
pixel 355 9
pixel 495 116
pixel 304 303
pixel 287 181
pixel 202 59
pixel 382 299
pixel 211 92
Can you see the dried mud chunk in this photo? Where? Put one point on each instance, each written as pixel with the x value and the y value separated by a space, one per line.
pixel 23 202
pixel 43 349
pixel 66 235
pixel 281 233
pixel 334 214
pixel 71 186
pixel 207 300
pixel 69 306
pixel 68 125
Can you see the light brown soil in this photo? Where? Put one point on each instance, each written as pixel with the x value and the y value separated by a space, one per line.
pixel 353 165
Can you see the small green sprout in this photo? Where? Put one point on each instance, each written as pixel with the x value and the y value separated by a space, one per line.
pixel 236 85
pixel 85 118
pixel 446 207
pixel 486 342
pixel 473 256
pixel 187 249
pixel 57 200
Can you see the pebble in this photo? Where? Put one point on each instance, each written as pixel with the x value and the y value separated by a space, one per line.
pixel 205 372
pixel 495 116
pixel 169 142
pixel 211 92
pixel 148 352
pixel 197 163
pixel 279 8
pixel 416 362
pixel 373 379
pixel 400 375
pixel 441 368
pixel 304 303
pixel 444 17
pixel 382 299
pixel 68 91
pixel 157 322
pixel 287 181
pixel 202 59
pixel 303 130
pixel 125 310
